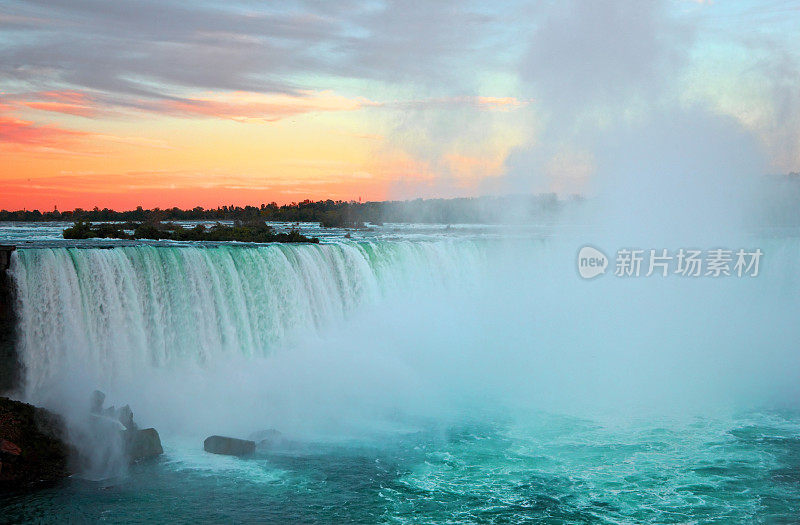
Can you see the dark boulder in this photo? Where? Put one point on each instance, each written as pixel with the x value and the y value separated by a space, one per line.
pixel 143 444
pixel 229 446
pixel 32 449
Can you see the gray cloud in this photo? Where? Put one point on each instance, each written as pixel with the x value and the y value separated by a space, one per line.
pixel 418 41
pixel 156 49
pixel 148 48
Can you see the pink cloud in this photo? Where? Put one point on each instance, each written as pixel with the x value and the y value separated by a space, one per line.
pixel 26 133
pixel 67 102
pixel 247 106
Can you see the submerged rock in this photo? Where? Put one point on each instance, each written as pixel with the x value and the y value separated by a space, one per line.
pixel 32 449
pixel 229 446
pixel 143 444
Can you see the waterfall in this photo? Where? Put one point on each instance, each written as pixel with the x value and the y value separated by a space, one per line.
pixel 123 311
pixel 319 338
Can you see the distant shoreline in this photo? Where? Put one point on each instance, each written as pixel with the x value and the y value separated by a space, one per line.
pixel 329 213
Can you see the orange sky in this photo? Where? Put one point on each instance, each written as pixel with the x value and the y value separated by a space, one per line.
pixel 61 149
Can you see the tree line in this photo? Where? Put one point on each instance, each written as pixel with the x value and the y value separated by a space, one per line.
pixel 327 212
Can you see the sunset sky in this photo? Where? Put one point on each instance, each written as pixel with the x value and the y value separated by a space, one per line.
pixel 173 103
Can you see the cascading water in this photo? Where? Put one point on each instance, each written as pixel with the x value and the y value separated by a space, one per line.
pixel 115 314
pixel 132 308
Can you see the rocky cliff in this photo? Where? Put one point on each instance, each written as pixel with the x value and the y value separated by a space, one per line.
pixel 32 451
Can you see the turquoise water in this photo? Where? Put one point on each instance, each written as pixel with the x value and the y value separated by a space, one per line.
pixel 551 470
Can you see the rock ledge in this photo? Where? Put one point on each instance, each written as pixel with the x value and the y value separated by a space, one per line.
pixel 32 449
